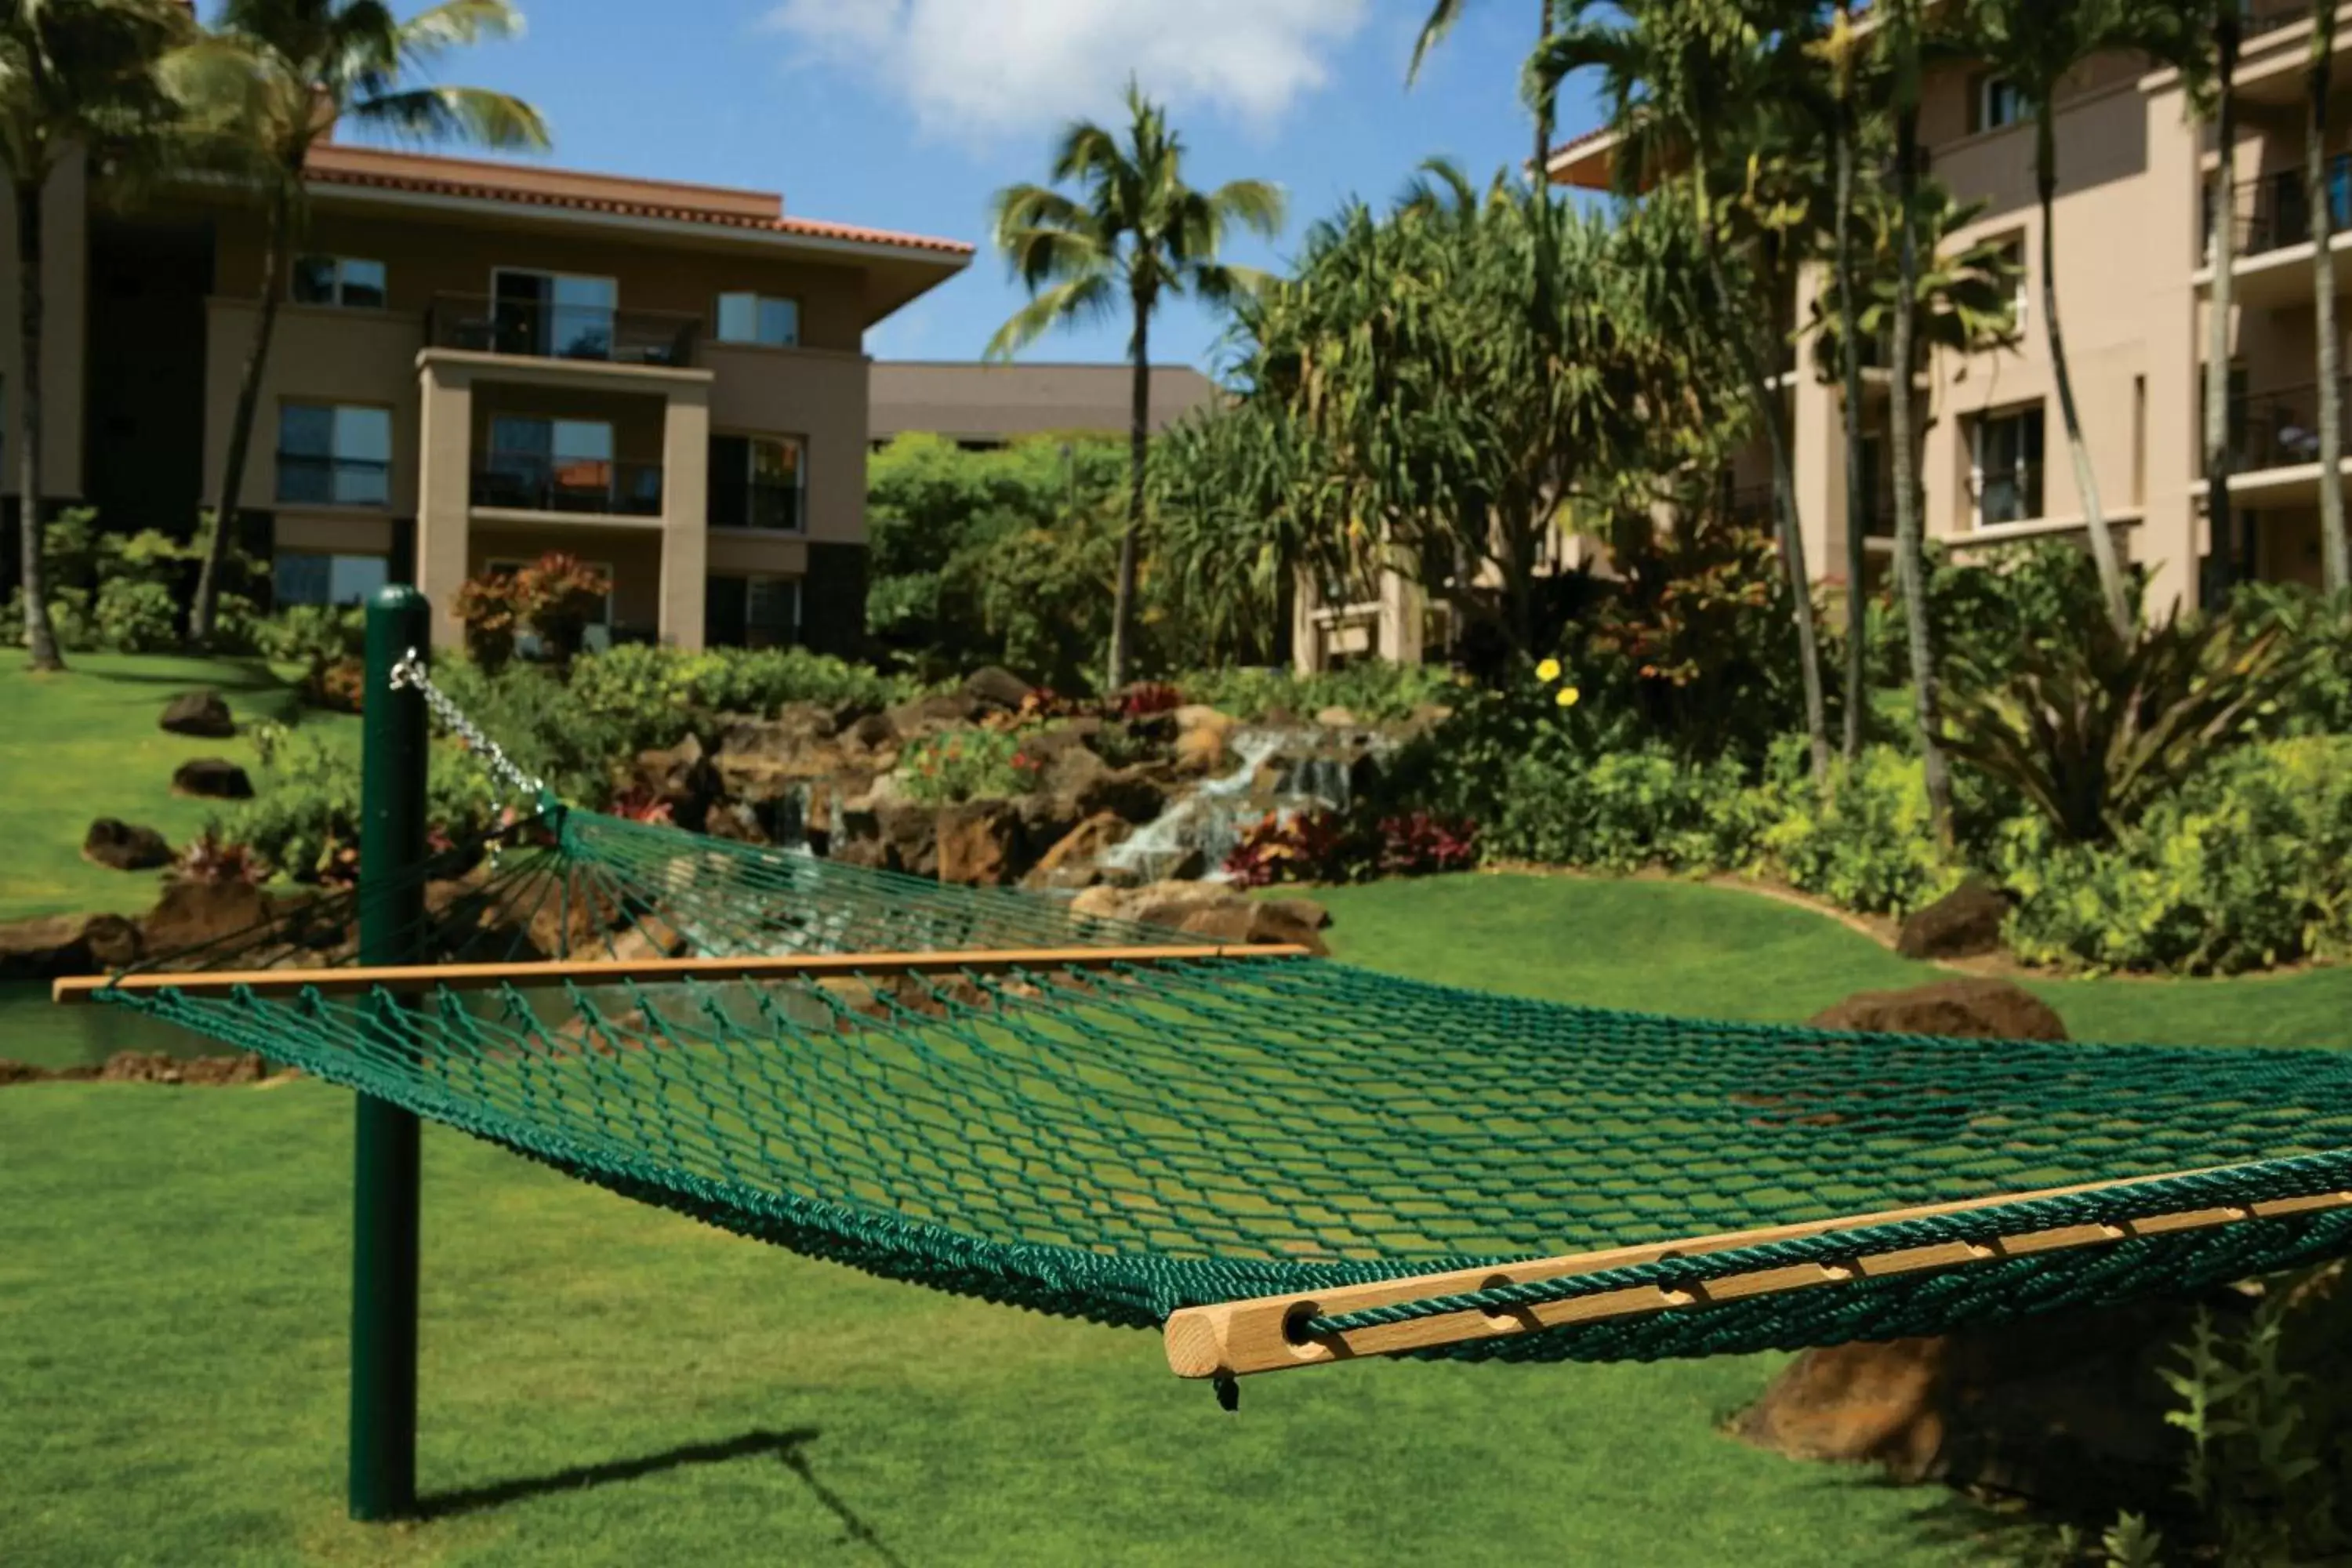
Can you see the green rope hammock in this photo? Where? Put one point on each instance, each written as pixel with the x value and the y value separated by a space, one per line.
pixel 1119 1142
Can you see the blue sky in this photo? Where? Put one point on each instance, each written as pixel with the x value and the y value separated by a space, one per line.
pixel 909 114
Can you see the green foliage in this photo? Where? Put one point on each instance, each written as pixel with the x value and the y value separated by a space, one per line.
pixel 2318 699
pixel 303 819
pixel 2093 727
pixel 122 593
pixel 652 689
pixel 2242 868
pixel 999 557
pixel 957 766
pixel 1376 693
pixel 1869 845
pixel 1625 811
pixel 1987 613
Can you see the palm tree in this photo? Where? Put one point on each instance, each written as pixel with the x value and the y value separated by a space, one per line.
pixel 269 83
pixel 77 79
pixel 1697 98
pixel 1442 15
pixel 2335 551
pixel 2221 19
pixel 1136 232
pixel 2035 45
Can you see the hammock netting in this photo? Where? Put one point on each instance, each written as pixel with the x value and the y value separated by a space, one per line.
pixel 1116 1142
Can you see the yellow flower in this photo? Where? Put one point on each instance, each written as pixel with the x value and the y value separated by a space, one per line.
pixel 1548 671
pixel 1567 696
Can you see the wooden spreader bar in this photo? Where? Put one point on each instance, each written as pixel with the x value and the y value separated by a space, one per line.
pixel 1239 1338
pixel 615 972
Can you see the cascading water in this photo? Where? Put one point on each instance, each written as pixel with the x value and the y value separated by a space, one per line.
pixel 1207 824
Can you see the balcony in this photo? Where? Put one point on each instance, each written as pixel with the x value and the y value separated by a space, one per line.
pixel 480 324
pixel 520 482
pixel 766 508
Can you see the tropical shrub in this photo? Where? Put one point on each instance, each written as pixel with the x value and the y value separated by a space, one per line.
pixel 302 822
pixel 2091 728
pixel 2246 865
pixel 327 641
pixel 655 688
pixel 1327 845
pixel 491 608
pixel 1627 810
pixel 2318 699
pixel 955 765
pixel 558 595
pixel 1375 692
pixel 1869 845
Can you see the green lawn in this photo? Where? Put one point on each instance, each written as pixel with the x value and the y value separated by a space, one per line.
pixel 84 745
pixel 606 1383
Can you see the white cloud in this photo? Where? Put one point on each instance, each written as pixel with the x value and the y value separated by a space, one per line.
pixel 999 68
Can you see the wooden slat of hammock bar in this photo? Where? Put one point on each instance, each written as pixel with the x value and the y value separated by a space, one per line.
pixel 614 972
pixel 1240 1338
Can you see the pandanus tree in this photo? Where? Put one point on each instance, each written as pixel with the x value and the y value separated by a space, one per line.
pixel 272 80
pixel 1699 103
pixel 1134 236
pixel 78 80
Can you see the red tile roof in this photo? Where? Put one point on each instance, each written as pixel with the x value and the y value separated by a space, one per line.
pixel 667 201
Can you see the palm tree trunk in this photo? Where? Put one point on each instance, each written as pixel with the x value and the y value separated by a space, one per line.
pixel 1856 502
pixel 1139 440
pixel 240 429
pixel 1543 105
pixel 1758 376
pixel 2335 550
pixel 1910 554
pixel 2218 455
pixel 40 637
pixel 2086 482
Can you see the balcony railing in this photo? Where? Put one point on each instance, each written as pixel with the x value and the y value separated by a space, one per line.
pixel 2280 429
pixel 781 508
pixel 2273 213
pixel 531 331
pixel 522 482
pixel 2007 495
pixel 2262 17
pixel 308 479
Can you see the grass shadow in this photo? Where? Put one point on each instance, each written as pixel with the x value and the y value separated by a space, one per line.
pixel 789 1447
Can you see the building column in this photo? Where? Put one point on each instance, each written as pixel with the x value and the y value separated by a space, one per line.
pixel 1400 622
pixel 686 514
pixel 2171 535
pixel 445 429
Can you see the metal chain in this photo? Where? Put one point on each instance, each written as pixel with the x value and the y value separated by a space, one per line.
pixel 410 673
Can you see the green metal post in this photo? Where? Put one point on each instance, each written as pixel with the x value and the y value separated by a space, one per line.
pixel 385 1171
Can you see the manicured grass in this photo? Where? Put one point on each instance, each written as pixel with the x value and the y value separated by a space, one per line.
pixel 84 745
pixel 606 1383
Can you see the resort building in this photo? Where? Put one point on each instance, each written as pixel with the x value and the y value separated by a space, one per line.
pixel 980 406
pixel 2134 282
pixel 476 362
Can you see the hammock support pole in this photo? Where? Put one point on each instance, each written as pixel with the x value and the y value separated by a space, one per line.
pixel 385 1202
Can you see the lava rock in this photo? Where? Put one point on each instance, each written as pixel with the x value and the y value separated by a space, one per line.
pixel 1070 863
pixel 191 914
pixel 212 778
pixel 978 843
pixel 1964 1009
pixel 47 946
pixel 1963 923
pixel 201 713
pixel 124 846
pixel 994 688
pixel 1136 794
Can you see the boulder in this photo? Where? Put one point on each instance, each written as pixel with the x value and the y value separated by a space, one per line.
pixel 1965 1009
pixel 993 688
pixel 1336 718
pixel 735 821
pixel 212 778
pixel 910 836
pixel 1070 863
pixel 154 1067
pixel 979 843
pixel 2067 1408
pixel 1202 752
pixel 1135 794
pixel 680 776
pixel 1963 923
pixel 192 913
pixel 1209 911
pixel 47 946
pixel 200 712
pixel 940 710
pixel 124 846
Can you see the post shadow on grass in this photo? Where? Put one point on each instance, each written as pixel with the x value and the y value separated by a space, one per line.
pixel 787 1446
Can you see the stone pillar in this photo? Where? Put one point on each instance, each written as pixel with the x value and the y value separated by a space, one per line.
pixel 1306 644
pixel 443 488
pixel 1399 627
pixel 686 513
pixel 2171 535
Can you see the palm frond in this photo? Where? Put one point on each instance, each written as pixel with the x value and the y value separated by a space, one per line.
pixel 456 24
pixel 1075 302
pixel 1441 18
pixel 474 116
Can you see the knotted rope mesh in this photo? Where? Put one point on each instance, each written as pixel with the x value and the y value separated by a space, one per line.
pixel 1116 1143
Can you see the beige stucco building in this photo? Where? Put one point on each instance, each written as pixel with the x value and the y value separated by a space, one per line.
pixel 475 363
pixel 2134 281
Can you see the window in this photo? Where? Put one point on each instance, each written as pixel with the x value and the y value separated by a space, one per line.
pixel 758 481
pixel 552 315
pixel 302 577
pixel 536 463
pixel 758 319
pixel 338 280
pixel 751 612
pixel 2006 449
pixel 334 454
pixel 1994 101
